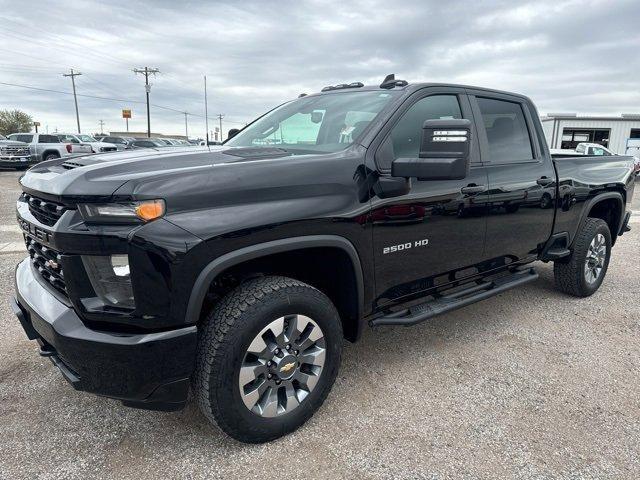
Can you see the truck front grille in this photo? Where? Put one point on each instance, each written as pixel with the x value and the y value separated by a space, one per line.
pixel 48 263
pixel 14 151
pixel 45 211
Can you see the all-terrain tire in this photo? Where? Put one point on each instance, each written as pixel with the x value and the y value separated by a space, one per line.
pixel 225 336
pixel 569 272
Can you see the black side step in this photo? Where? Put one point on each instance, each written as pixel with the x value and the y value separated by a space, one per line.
pixel 458 299
pixel 556 247
pixel 555 253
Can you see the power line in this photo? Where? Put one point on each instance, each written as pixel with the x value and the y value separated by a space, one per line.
pixel 75 98
pixel 91 96
pixel 111 99
pixel 146 72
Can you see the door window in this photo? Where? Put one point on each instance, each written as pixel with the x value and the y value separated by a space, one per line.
pixel 507 133
pixel 48 139
pixel 22 138
pixel 407 133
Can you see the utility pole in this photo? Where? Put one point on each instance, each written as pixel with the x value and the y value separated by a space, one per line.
pixel 206 110
pixel 73 74
pixel 186 126
pixel 220 117
pixel 147 86
pixel 101 122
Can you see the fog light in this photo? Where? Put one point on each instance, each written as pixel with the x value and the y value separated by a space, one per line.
pixel 110 279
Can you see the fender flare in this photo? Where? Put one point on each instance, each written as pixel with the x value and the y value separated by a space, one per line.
pixel 597 199
pixel 220 264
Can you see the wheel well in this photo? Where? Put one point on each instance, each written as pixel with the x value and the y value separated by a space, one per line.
pixel 609 211
pixel 329 269
pixel 47 152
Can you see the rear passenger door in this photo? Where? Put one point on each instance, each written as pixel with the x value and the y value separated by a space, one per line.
pixel 521 177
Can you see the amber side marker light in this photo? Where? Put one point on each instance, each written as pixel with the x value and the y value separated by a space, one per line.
pixel 150 210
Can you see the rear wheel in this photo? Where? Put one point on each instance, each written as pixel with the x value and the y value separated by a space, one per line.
pixel 51 156
pixel 582 273
pixel 268 354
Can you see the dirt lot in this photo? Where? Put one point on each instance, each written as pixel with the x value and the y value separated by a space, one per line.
pixel 529 384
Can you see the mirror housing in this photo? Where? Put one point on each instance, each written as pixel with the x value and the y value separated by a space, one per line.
pixel 444 152
pixel 232 133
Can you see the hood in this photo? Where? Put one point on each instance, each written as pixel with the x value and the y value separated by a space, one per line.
pixel 102 174
pixel 12 143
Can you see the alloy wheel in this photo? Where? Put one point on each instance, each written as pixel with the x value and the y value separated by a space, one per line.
pixel 596 257
pixel 282 365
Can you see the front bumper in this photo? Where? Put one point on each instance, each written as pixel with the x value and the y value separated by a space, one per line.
pixel 148 370
pixel 17 162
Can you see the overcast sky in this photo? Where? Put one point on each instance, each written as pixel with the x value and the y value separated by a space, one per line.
pixel 569 56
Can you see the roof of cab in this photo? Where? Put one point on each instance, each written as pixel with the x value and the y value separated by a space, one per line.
pixel 409 88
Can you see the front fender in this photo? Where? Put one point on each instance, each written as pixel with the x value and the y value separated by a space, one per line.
pixel 220 264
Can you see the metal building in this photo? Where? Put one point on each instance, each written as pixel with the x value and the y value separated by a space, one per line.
pixel 567 130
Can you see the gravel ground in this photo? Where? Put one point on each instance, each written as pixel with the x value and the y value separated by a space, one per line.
pixel 528 384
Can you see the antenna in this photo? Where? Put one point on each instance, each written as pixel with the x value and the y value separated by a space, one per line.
pixel 390 81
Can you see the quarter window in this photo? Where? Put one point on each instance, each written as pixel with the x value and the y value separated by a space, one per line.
pixel 507 132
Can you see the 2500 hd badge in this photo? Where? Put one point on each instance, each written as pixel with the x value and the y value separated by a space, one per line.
pixel 405 246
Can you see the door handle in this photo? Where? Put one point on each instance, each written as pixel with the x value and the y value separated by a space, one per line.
pixel 544 181
pixel 473 188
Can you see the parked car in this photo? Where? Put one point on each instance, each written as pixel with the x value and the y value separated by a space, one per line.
pixel 593 149
pixel 167 142
pixel 15 154
pixel 237 272
pixel 122 143
pixel 97 146
pixel 147 143
pixel 48 146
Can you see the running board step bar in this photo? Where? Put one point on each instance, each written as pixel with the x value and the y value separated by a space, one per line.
pixel 460 298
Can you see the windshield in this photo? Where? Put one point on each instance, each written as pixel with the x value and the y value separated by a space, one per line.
pixel 317 124
pixel 86 138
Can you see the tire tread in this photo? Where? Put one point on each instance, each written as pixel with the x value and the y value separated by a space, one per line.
pixel 569 272
pixel 216 336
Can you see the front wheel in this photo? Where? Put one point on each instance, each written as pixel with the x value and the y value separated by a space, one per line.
pixel 268 355
pixel 582 273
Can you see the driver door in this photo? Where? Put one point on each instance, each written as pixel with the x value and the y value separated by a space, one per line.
pixel 435 233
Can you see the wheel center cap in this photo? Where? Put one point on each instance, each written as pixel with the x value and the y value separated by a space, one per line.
pixel 285 367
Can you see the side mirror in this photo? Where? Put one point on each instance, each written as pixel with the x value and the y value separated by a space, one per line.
pixel 444 152
pixel 232 133
pixel 316 116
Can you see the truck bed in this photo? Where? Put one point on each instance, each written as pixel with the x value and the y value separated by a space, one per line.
pixel 582 177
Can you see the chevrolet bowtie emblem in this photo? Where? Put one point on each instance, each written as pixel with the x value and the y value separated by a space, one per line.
pixel 287 367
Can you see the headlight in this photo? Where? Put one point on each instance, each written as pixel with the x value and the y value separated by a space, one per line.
pixel 110 279
pixel 145 211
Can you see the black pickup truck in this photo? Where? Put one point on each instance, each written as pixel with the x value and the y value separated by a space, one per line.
pixel 237 270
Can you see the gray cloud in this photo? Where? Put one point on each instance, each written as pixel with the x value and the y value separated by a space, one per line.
pixel 567 55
